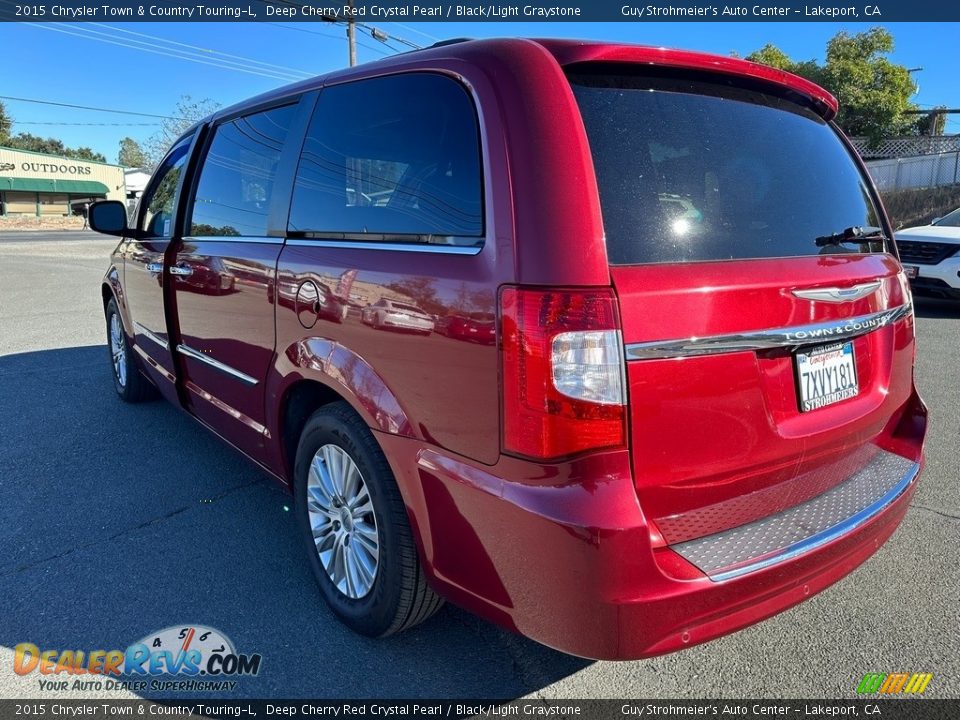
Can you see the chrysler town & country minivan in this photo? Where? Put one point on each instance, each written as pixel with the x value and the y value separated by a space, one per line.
pixel 694 406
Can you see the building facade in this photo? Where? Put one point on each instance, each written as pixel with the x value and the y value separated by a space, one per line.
pixel 42 185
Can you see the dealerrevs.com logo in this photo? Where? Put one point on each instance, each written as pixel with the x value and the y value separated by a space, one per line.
pixel 199 658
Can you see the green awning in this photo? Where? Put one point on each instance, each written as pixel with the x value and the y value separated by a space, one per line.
pixel 77 187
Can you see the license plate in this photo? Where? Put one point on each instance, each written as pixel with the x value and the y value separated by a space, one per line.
pixel 826 375
pixel 911 271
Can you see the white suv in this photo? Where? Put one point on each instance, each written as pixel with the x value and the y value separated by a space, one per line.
pixel 931 256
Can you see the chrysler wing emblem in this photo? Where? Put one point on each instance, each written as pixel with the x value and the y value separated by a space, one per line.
pixel 839 294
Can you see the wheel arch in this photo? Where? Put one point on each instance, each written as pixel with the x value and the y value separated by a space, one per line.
pixel 298 402
pixel 320 371
pixel 112 289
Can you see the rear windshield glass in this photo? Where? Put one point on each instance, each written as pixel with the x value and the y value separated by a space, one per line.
pixel 691 171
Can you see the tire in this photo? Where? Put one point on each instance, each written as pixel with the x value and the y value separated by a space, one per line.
pixel 130 384
pixel 398 596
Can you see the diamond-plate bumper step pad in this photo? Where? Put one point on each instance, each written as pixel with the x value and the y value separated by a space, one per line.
pixel 802 528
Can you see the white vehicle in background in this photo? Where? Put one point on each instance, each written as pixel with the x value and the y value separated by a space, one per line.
pixel 388 314
pixel 931 256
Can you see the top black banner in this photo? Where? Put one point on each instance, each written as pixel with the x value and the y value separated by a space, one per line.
pixel 466 11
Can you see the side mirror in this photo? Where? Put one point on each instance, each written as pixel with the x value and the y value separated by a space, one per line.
pixel 108 217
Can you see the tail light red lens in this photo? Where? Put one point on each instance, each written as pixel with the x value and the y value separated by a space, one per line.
pixel 563 375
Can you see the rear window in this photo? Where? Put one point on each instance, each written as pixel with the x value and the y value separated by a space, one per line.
pixel 693 171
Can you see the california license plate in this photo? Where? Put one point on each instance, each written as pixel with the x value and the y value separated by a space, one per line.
pixel 911 271
pixel 826 375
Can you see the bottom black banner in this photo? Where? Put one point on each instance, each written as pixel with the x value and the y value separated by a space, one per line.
pixel 101 709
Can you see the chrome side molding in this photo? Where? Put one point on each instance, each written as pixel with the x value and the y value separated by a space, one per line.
pixel 788 337
pixel 146 333
pixel 216 364
pixel 839 294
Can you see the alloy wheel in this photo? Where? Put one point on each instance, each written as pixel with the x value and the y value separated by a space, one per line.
pixel 118 350
pixel 343 522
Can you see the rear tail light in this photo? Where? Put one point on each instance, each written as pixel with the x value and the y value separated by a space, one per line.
pixel 563 375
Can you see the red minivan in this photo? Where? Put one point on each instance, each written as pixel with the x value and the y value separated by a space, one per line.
pixel 693 405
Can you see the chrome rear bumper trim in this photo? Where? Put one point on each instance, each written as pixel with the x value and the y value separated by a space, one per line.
pixel 788 337
pixel 804 527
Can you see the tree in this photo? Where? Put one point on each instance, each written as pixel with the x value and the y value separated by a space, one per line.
pixel 52 146
pixel 85 153
pixel 6 124
pixel 131 155
pixel 873 92
pixel 186 114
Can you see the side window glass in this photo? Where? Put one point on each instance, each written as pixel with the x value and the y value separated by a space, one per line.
pixel 392 159
pixel 236 182
pixel 159 202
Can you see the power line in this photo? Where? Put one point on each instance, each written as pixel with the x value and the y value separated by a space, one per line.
pixel 378 34
pixel 208 51
pixel 87 107
pixel 375 32
pixel 368 46
pixel 933 111
pixel 167 52
pixel 189 56
pixel 428 36
pixel 86 124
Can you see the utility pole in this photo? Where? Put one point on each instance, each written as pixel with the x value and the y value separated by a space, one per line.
pixel 352 36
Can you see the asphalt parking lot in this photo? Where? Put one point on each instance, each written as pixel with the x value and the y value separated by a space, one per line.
pixel 121 520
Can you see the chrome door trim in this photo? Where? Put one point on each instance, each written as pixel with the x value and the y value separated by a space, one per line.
pixel 836 294
pixel 259 239
pixel 788 337
pixel 401 247
pixel 146 333
pixel 216 364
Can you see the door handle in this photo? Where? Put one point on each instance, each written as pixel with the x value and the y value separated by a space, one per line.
pixel 155 268
pixel 181 270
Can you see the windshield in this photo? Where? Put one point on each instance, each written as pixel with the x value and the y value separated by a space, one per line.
pixel 949 220
pixel 691 171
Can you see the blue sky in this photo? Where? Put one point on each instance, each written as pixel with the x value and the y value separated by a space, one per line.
pixel 54 63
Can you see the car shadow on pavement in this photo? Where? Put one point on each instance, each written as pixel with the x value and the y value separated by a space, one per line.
pixel 930 307
pixel 123 520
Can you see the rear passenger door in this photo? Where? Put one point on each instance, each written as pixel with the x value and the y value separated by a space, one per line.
pixel 223 273
pixel 388 208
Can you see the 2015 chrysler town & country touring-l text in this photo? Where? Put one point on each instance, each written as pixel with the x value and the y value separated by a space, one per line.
pixel 694 407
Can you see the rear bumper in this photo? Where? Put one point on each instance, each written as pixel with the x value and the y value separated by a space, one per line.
pixel 408 323
pixel 567 557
